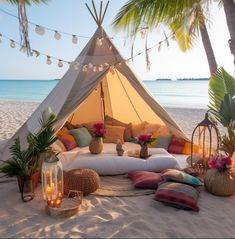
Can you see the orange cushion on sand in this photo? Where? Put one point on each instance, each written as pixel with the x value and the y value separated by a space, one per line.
pixel 114 133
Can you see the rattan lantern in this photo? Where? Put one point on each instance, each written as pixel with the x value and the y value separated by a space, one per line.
pixel 52 181
pixel 205 143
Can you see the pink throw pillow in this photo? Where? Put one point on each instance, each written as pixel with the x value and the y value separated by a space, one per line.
pixel 176 146
pixel 145 179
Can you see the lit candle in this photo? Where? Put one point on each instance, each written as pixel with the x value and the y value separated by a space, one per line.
pixel 49 190
pixel 58 203
pixel 60 195
pixel 52 203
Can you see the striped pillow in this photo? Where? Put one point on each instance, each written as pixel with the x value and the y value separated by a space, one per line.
pixel 178 195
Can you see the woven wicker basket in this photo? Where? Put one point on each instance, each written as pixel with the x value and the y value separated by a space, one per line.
pixel 220 183
pixel 85 180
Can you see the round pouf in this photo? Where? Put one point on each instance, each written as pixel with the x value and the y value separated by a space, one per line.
pixel 219 183
pixel 85 180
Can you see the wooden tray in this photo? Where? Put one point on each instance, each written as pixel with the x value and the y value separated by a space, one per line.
pixel 69 206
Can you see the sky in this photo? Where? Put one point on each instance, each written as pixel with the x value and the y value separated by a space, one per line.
pixel 72 16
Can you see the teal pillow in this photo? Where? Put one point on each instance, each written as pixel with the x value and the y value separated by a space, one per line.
pixel 181 177
pixel 163 141
pixel 82 136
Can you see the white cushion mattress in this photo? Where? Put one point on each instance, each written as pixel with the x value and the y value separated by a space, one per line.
pixel 108 163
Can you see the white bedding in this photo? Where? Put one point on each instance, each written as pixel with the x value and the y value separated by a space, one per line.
pixel 108 163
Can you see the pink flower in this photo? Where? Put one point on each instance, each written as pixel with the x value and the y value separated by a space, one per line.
pixel 98 126
pixel 99 130
pixel 220 162
pixel 144 139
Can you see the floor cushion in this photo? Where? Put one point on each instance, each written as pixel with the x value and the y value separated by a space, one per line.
pixel 85 180
pixel 180 176
pixel 178 195
pixel 145 179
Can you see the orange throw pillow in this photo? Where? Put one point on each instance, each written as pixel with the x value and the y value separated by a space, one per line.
pixel 68 141
pixel 114 133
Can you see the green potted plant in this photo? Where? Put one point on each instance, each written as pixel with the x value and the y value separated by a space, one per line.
pixel 27 162
pixel 222 107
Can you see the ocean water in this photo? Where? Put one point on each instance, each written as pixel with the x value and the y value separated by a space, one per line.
pixel 180 93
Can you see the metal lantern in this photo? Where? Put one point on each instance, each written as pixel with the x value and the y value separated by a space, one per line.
pixel 205 143
pixel 52 181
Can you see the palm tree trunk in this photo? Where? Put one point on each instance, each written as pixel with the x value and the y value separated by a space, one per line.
pixel 208 49
pixel 229 9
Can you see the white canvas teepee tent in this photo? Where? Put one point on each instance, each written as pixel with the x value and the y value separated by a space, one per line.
pixel 102 85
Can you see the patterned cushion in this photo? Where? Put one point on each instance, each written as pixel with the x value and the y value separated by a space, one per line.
pixel 82 136
pixel 144 179
pixel 127 133
pixel 180 176
pixel 68 141
pixel 62 132
pixel 178 195
pixel 176 146
pixel 114 133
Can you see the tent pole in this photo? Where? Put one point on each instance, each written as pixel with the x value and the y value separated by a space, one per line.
pixel 102 98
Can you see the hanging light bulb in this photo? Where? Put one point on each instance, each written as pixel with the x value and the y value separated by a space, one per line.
pixel 60 63
pixel 36 53
pixel 94 68
pixel 12 44
pixel 101 68
pixel 74 39
pixel 23 49
pixel 99 41
pixel 0 38
pixel 40 30
pixel 106 64
pixel 84 68
pixel 76 65
pixel 57 35
pixel 143 32
pixel 110 47
pixel 90 65
pixel 49 60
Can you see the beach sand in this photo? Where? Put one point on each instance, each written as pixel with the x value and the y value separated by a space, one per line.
pixel 111 217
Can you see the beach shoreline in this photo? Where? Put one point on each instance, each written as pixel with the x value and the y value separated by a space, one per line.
pixel 14 113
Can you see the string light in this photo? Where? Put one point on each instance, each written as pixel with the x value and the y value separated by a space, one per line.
pixel 12 44
pixel 23 49
pixel 110 47
pixel 94 68
pixel 90 65
pixel 99 41
pixel 101 68
pixel 60 63
pixel 49 60
pixel 40 30
pixel 84 68
pixel 57 35
pixel 74 39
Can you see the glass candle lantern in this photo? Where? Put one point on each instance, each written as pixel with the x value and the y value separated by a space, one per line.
pixel 205 143
pixel 52 181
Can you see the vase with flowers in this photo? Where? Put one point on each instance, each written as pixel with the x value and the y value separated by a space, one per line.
pixel 96 144
pixel 144 140
pixel 219 179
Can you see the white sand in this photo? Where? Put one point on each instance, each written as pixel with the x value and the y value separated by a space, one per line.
pixel 112 217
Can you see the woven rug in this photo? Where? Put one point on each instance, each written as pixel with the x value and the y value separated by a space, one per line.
pixel 119 186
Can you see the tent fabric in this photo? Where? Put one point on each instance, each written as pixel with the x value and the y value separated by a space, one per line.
pixel 84 96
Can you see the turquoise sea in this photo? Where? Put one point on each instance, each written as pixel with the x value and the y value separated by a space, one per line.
pixel 179 93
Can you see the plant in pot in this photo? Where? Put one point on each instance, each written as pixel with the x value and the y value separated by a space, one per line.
pixel 222 107
pixel 25 163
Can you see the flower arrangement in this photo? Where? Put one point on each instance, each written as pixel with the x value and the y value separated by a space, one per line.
pixel 221 162
pixel 144 139
pixel 99 130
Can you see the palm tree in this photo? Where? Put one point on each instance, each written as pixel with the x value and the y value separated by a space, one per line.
pixel 23 21
pixel 185 18
pixel 229 9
